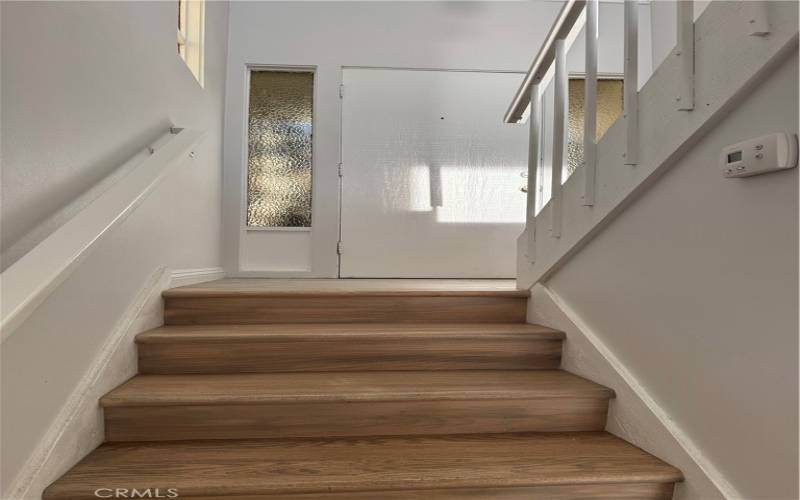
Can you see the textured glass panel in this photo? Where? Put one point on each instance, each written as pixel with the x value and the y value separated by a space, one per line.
pixel 609 108
pixel 279 153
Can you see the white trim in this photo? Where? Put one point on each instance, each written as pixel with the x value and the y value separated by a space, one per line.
pixel 78 427
pixel 191 37
pixel 578 75
pixel 79 421
pixel 279 67
pixel 248 69
pixel 278 229
pixel 685 442
pixel 283 274
pixel 438 69
pixel 244 160
pixel 183 277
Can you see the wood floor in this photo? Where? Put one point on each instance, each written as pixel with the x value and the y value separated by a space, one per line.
pixel 359 389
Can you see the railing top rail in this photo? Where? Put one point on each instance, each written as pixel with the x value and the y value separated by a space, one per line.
pixel 565 20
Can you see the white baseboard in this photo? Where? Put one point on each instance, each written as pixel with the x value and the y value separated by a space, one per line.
pixel 183 277
pixel 634 415
pixel 78 428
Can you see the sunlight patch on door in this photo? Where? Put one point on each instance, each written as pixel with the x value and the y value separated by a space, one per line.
pixel 459 194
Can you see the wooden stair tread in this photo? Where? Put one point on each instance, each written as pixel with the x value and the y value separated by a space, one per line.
pixel 252 287
pixel 323 347
pixel 309 331
pixel 273 467
pixel 159 390
pixel 359 389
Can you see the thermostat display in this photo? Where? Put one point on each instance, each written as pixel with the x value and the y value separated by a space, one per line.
pixel 760 155
pixel 734 157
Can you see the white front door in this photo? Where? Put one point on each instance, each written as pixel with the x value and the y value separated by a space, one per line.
pixel 431 174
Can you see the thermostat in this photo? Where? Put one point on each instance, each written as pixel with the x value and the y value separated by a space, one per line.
pixel 758 156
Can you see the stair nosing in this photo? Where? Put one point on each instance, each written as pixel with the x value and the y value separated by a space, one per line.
pixel 589 390
pixel 355 398
pixel 235 333
pixel 202 293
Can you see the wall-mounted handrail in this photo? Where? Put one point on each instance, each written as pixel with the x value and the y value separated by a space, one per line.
pixel 564 23
pixel 26 283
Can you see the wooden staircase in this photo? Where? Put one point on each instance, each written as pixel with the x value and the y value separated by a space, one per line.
pixel 267 389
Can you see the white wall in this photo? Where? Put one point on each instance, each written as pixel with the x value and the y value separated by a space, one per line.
pixel 85 84
pixel 632 415
pixel 693 288
pixel 329 35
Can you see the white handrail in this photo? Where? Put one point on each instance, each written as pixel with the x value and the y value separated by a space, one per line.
pixel 27 282
pixel 566 19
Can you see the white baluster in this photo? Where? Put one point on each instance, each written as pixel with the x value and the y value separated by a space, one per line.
pixel 590 103
pixel 535 126
pixel 684 51
pixel 631 99
pixel 559 133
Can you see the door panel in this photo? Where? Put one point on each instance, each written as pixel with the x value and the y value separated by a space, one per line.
pixel 431 184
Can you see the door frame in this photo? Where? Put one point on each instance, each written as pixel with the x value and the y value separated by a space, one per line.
pixel 320 242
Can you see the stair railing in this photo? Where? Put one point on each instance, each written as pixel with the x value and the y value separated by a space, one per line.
pixel 550 62
pixel 26 283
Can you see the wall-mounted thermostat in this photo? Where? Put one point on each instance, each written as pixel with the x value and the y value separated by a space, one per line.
pixel 758 156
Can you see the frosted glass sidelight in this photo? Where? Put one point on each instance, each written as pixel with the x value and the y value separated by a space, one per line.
pixel 609 108
pixel 279 149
